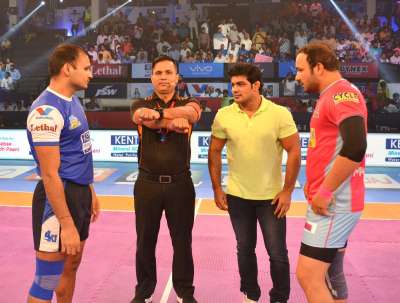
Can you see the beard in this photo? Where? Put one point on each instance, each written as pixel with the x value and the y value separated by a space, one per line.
pixel 312 88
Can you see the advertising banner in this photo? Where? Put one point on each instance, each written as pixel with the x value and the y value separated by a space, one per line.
pixel 139 90
pixel 201 70
pixel 359 70
pixel 110 70
pixel 14 144
pixel 107 90
pixel 122 146
pixel 141 70
pixel 267 69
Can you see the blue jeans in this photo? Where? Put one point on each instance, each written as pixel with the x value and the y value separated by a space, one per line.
pixel 244 215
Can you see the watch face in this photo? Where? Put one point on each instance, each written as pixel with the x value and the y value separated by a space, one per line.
pixel 161 112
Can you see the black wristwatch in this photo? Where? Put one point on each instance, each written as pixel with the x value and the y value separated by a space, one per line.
pixel 161 112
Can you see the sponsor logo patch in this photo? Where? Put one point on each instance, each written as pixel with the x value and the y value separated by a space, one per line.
pixel 74 122
pixel 346 97
pixel 312 142
pixel 310 227
pixel 49 237
pixel 43 127
pixel 86 143
pixel 44 111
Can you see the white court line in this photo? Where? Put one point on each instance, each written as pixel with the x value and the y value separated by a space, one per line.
pixel 168 287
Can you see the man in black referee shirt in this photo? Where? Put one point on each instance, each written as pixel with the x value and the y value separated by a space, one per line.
pixel 164 123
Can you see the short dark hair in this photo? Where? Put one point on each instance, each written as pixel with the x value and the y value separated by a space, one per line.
pixel 64 53
pixel 250 71
pixel 164 58
pixel 319 52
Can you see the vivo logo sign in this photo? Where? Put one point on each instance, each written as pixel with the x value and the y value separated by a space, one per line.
pixel 201 69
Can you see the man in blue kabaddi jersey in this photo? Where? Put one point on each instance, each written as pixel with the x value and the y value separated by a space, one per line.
pixel 64 202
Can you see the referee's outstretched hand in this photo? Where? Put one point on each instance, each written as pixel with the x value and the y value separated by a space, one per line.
pixel 147 114
pixel 179 125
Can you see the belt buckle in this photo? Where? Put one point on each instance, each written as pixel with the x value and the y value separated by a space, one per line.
pixel 165 179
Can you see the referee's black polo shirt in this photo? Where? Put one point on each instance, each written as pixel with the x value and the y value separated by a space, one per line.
pixel 161 152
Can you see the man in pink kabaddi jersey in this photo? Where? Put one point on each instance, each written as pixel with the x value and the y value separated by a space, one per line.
pixel 335 173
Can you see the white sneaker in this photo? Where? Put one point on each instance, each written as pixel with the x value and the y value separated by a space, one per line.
pixel 247 300
pixel 148 300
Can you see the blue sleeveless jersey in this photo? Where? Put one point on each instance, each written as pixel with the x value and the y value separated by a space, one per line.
pixel 57 120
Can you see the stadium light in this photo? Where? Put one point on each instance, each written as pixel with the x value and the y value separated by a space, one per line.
pixel 17 26
pixel 92 26
pixel 352 27
pixel 97 22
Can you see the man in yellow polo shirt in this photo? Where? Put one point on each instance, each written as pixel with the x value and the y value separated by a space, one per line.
pixel 256 131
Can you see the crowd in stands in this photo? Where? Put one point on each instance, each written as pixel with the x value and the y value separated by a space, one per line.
pixel 195 38
pixel 191 39
pixel 10 77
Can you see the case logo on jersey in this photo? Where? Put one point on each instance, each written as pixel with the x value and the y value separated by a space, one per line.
pixel 74 122
pixel 346 97
pixel 44 111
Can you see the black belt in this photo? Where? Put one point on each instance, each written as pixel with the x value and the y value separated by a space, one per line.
pixel 164 179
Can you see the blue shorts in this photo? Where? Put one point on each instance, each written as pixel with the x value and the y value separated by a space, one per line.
pixel 329 232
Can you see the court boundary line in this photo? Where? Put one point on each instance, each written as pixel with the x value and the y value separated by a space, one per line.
pixel 31 192
pixel 168 287
pixel 200 214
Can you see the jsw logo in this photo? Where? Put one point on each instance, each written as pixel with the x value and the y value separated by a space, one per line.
pixel 201 69
pixel 106 91
pixel 49 237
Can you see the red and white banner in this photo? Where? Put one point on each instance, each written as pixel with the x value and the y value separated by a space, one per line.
pixel 110 70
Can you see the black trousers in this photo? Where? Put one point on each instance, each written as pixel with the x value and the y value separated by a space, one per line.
pixel 177 199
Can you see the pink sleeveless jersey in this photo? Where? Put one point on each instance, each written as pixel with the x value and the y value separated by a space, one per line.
pixel 337 102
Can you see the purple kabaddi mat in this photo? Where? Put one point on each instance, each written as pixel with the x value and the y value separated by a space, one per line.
pixel 107 272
